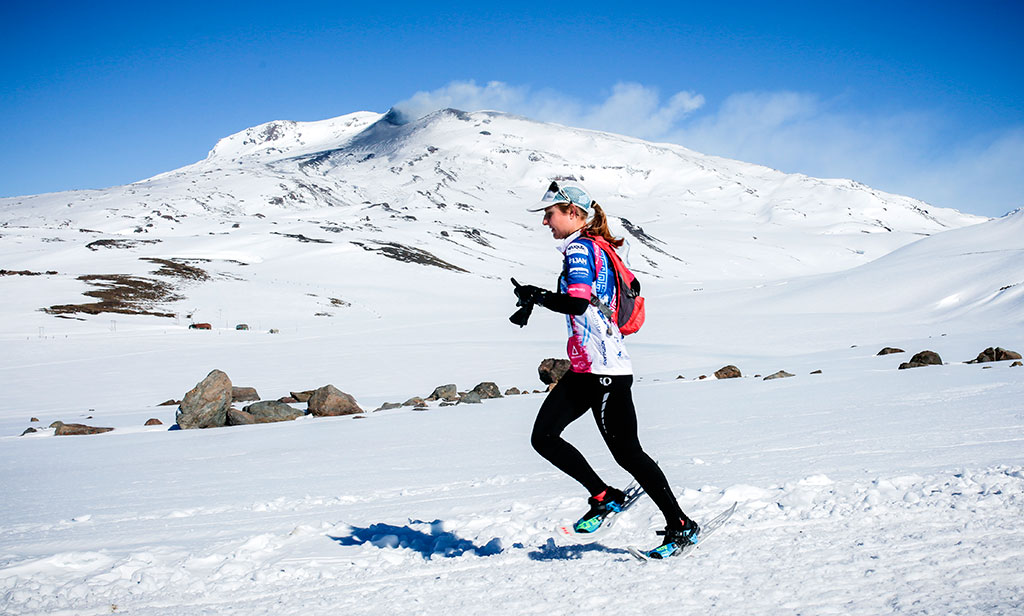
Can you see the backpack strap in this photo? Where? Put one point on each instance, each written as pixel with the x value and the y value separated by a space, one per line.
pixel 600 255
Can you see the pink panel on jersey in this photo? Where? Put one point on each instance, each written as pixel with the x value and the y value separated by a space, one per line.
pixel 580 290
pixel 578 355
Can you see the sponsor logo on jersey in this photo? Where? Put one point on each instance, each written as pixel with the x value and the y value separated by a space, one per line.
pixel 577 248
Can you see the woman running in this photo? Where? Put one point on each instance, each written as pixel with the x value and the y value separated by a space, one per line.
pixel 601 372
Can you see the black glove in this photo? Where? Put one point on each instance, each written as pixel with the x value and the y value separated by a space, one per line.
pixel 527 294
pixel 521 316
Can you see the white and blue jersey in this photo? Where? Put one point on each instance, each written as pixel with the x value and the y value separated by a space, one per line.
pixel 595 344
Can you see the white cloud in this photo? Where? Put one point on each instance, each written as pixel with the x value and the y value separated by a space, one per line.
pixel 903 152
pixel 630 109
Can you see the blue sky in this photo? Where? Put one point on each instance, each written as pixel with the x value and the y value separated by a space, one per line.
pixel 918 98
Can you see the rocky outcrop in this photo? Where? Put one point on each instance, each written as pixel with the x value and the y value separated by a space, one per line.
pixel 728 372
pixel 487 390
pixel 444 392
pixel 244 394
pixel 74 429
pixel 153 421
pixel 995 354
pixel 470 397
pixel 414 401
pixel 239 418
pixel 206 405
pixel 387 406
pixel 551 370
pixel 890 351
pixel 302 396
pixel 329 401
pixel 270 411
pixel 781 374
pixel 924 358
pixel 512 391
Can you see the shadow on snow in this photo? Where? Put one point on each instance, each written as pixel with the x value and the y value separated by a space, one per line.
pixel 430 542
pixel 552 551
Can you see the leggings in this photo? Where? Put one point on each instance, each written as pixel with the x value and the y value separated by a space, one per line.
pixel 610 400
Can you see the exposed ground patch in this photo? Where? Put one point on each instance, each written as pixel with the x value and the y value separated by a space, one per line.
pixel 4 272
pixel 118 243
pixel 129 294
pixel 121 294
pixel 408 254
pixel 646 239
pixel 178 268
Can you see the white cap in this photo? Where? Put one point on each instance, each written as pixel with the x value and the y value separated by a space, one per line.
pixel 564 193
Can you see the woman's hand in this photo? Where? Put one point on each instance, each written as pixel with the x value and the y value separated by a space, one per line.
pixel 527 294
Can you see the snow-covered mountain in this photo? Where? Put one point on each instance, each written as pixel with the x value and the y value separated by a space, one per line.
pixel 379 250
pixel 312 203
pixel 368 177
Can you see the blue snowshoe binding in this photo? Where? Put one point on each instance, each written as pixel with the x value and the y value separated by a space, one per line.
pixel 675 540
pixel 609 502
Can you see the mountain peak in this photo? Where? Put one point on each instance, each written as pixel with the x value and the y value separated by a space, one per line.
pixel 281 138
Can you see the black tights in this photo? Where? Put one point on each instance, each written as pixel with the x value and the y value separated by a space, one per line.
pixel 610 400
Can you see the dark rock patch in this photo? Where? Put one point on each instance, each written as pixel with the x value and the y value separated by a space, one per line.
pixel 206 405
pixel 551 370
pixel 470 397
pixel 270 411
pixel 74 429
pixel 995 354
pixel 244 394
pixel 239 418
pixel 487 390
pixel 728 372
pixel 444 392
pixel 329 401
pixel 924 358
pixel 302 396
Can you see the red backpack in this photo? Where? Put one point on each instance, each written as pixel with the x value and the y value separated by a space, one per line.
pixel 629 308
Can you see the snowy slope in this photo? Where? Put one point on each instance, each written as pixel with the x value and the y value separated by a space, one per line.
pixel 381 250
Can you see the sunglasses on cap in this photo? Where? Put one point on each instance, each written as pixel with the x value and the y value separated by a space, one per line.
pixel 572 194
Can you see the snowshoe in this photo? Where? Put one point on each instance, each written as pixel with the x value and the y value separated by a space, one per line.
pixel 601 506
pixel 675 540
